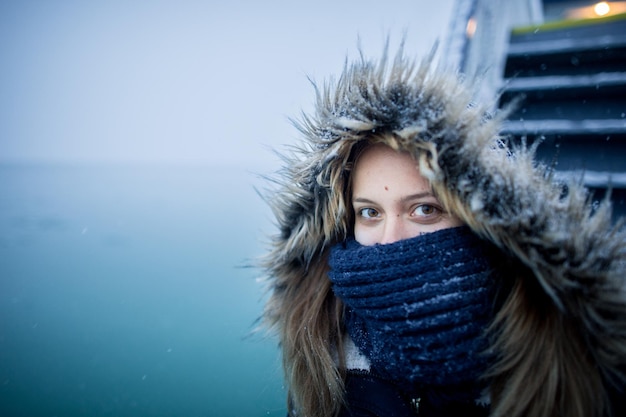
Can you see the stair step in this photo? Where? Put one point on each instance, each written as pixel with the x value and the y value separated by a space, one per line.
pixel 594 179
pixel 566 61
pixel 565 127
pixel 591 47
pixel 597 80
pixel 594 96
pixel 613 27
pixel 566 45
pixel 592 152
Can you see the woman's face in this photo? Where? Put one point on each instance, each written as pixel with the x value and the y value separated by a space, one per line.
pixel 392 200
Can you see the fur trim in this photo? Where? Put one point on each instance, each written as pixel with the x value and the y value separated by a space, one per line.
pixel 567 250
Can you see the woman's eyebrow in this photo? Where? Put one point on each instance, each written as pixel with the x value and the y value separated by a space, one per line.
pixel 417 196
pixel 362 200
pixel 406 198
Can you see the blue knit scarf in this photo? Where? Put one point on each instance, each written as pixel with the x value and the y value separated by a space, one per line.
pixel 418 309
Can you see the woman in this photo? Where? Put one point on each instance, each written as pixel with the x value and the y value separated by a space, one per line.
pixel 423 267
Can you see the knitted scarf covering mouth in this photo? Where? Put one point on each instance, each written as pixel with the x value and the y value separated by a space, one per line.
pixel 418 309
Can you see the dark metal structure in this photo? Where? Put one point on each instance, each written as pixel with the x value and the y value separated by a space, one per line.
pixel 570 80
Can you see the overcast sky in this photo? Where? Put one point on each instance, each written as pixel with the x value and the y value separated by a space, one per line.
pixel 182 81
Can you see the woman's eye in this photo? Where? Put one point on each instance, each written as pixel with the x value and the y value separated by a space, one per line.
pixel 368 213
pixel 426 210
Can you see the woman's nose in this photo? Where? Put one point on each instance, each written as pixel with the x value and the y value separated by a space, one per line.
pixel 394 230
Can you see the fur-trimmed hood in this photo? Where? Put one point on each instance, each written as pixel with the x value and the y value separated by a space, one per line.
pixel 570 256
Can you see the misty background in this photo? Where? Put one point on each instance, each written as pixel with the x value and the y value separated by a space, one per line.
pixel 181 81
pixel 132 137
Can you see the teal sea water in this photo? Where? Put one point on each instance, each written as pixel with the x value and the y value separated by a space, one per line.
pixel 124 292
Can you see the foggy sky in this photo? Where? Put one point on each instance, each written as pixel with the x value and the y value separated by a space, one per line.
pixel 181 81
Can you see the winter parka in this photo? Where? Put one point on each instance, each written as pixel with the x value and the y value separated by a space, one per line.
pixel 560 333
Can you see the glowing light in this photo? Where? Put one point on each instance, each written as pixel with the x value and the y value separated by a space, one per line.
pixel 470 29
pixel 602 8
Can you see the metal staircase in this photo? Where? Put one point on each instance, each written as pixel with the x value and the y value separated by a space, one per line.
pixel 570 79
